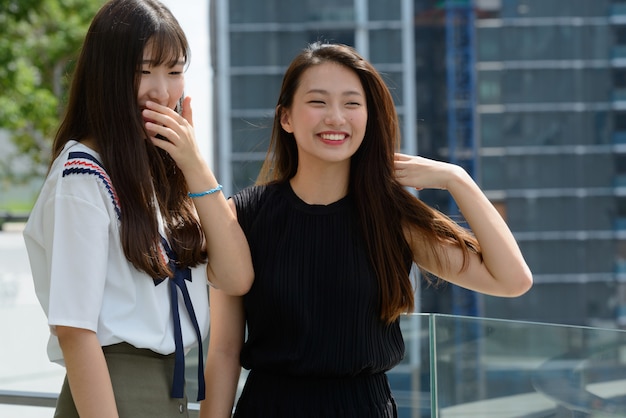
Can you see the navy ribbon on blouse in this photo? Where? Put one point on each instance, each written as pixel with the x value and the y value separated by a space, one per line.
pixel 181 274
pixel 77 165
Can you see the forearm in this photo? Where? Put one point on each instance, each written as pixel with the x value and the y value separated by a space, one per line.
pixel 225 343
pixel 87 373
pixel 230 263
pixel 222 376
pixel 501 254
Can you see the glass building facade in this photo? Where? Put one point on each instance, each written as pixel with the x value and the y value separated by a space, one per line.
pixel 550 121
pixel 548 128
pixel 255 41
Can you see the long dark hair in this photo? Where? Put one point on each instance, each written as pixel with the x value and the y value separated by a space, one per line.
pixel 384 207
pixel 103 106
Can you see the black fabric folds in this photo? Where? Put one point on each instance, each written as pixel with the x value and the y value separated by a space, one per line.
pixel 313 311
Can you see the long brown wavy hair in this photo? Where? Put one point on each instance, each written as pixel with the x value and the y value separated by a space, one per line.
pixel 103 106
pixel 384 207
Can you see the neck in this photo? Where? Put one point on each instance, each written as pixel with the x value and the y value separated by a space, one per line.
pixel 321 187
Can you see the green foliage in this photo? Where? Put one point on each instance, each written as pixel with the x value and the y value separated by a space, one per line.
pixel 39 42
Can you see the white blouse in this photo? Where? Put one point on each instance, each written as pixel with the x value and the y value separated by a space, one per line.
pixel 81 275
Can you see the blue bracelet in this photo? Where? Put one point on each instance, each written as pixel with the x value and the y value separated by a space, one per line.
pixel 206 192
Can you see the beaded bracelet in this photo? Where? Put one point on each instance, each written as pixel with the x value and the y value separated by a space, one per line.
pixel 206 192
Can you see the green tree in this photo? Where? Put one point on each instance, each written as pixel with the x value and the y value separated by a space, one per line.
pixel 39 43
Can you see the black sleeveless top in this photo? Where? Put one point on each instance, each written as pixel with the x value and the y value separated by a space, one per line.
pixel 313 311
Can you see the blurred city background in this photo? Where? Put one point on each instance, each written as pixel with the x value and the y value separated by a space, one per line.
pixel 528 95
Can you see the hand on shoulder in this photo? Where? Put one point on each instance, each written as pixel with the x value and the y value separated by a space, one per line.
pixel 424 173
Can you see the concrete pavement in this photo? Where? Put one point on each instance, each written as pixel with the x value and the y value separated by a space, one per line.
pixel 24 365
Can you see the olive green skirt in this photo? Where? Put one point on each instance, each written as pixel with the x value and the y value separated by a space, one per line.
pixel 142 381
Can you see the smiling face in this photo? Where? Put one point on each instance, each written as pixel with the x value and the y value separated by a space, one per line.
pixel 328 114
pixel 162 83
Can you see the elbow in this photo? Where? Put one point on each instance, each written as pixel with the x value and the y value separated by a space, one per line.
pixel 243 282
pixel 235 283
pixel 241 286
pixel 522 283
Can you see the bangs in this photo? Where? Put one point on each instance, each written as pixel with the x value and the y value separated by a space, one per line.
pixel 168 47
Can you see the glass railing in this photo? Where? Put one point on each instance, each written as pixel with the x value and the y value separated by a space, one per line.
pixel 476 367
